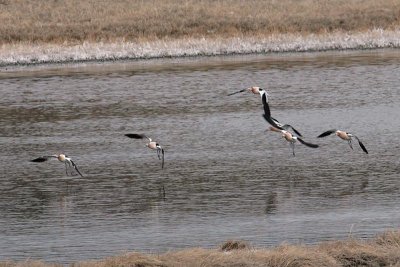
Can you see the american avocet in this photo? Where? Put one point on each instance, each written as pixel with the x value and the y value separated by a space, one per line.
pixel 274 122
pixel 151 144
pixel 255 90
pixel 62 158
pixel 345 136
pixel 292 139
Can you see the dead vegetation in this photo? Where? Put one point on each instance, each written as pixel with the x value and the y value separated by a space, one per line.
pixel 384 250
pixel 75 21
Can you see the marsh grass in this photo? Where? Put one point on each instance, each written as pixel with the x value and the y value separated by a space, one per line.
pixel 75 21
pixel 384 250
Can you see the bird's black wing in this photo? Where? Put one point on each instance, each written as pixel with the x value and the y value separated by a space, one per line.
pixel 276 121
pixel 327 133
pixel 136 136
pixel 267 113
pixel 40 159
pixel 307 144
pixel 43 158
pixel 241 91
pixel 361 145
pixel 270 121
pixel 76 168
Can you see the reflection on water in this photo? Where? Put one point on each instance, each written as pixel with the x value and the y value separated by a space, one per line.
pixel 224 176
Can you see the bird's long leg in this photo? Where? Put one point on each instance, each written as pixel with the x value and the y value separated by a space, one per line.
pixel 351 146
pixel 292 146
pixel 158 153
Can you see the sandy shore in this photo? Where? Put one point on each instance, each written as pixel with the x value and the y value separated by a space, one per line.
pixel 25 54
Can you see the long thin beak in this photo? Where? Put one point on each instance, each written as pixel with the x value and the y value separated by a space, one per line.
pixel 237 92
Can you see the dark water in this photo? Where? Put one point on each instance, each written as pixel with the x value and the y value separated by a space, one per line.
pixel 224 176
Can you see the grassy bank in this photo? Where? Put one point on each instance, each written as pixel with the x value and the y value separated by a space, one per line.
pixel 74 21
pixel 384 250
pixel 59 31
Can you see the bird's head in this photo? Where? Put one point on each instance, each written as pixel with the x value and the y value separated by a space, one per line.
pixel 61 157
pixel 255 89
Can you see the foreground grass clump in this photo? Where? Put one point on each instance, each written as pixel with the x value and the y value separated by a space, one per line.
pixel 384 250
pixel 134 20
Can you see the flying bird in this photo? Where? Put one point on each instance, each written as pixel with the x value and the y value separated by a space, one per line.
pixel 151 144
pixel 345 136
pixel 274 122
pixel 292 139
pixel 254 90
pixel 69 164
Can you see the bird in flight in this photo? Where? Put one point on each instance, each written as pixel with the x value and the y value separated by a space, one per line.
pixel 345 136
pixel 151 144
pixel 69 164
pixel 292 139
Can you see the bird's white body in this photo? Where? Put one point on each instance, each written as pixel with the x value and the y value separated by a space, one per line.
pixel 343 135
pixel 288 136
pixel 152 144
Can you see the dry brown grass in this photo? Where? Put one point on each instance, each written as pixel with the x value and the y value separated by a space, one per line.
pixel 110 20
pixel 384 250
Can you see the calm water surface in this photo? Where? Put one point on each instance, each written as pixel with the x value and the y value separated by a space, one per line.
pixel 224 176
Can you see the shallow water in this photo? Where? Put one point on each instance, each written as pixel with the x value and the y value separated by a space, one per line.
pixel 224 176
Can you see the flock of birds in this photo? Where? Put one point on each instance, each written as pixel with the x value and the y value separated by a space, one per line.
pixel 276 126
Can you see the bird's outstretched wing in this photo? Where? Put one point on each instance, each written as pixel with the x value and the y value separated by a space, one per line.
pixel 267 113
pixel 276 121
pixel 329 132
pixel 43 158
pixel 76 168
pixel 241 91
pixel 361 144
pixel 307 144
pixel 137 136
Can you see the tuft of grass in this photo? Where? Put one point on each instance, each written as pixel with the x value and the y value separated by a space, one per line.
pixel 384 250
pixel 75 21
pixel 234 245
